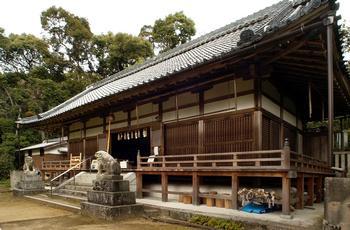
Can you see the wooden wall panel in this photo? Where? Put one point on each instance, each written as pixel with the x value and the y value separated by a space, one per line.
pixel 229 134
pixel 271 134
pixel 181 138
pixel 75 147
pixel 91 146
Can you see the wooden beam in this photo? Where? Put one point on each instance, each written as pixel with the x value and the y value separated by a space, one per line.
pixel 285 195
pixel 300 191
pixel 234 190
pixel 164 187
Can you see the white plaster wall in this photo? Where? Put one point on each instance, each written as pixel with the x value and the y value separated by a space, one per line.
pixel 170 103
pixel 189 112
pixel 187 98
pixel 219 105
pixel 290 118
pixel 245 102
pixel 270 106
pixel 76 125
pixel 270 90
pixel 227 87
pixel 94 131
pixel 120 116
pixel 289 104
pixel 94 121
pixel 144 109
pixel 74 135
pixel 119 125
pixel 300 125
pixel 168 116
pixel 144 120
pixel 35 152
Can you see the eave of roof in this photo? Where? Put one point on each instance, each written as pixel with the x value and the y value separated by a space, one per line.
pixel 209 47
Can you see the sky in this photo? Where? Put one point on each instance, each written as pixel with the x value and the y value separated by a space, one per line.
pixel 23 16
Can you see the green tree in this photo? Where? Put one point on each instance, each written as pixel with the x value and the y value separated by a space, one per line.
pixel 115 52
pixel 69 37
pixel 345 37
pixel 167 33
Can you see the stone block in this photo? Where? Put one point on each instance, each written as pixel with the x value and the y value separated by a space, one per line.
pixel 110 212
pixel 109 177
pixel 337 202
pixel 111 198
pixel 111 185
pixel 24 192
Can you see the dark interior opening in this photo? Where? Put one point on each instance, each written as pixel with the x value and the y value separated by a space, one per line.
pixel 127 147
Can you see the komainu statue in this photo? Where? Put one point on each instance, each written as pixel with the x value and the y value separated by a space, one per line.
pixel 28 167
pixel 107 165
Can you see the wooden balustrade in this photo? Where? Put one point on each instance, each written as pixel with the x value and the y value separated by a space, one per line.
pixel 306 163
pixel 56 165
pixel 282 159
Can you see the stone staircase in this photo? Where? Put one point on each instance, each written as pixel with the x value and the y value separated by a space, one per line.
pixel 72 192
pixel 76 188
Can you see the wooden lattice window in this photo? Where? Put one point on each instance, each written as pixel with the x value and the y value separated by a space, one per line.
pixel 229 134
pixel 181 138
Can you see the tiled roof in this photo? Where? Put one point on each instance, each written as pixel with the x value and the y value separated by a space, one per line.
pixel 198 51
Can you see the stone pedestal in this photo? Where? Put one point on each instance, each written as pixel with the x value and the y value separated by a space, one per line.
pixel 29 184
pixel 110 198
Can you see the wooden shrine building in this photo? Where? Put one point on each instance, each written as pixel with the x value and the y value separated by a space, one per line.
pixel 231 105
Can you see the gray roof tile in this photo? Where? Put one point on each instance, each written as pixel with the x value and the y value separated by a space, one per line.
pixel 197 51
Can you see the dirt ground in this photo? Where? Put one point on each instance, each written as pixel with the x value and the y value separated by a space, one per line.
pixel 22 214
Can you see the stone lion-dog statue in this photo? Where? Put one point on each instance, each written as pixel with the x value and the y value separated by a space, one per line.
pixel 106 164
pixel 28 167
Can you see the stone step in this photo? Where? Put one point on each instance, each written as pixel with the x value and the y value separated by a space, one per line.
pixel 84 184
pixel 151 212
pixel 78 187
pixel 72 192
pixel 54 202
pixel 70 197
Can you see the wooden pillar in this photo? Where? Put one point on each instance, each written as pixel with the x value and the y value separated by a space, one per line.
pixel 257 129
pixel 195 187
pixel 300 191
pixel 234 185
pixel 139 185
pixel 84 144
pixel 164 187
pixel 319 189
pixel 329 22
pixel 285 195
pixel 310 191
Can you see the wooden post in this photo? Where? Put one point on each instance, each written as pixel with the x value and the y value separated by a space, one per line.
pixel 285 195
pixel 234 185
pixel 164 187
pixel 195 187
pixel 300 191
pixel 139 185
pixel 138 159
pixel 329 23
pixel 319 189
pixel 286 154
pixel 310 191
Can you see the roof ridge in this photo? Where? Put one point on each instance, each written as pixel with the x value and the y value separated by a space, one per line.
pixel 222 31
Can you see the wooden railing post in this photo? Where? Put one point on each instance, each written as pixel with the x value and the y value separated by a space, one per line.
pixel 286 154
pixel 138 161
